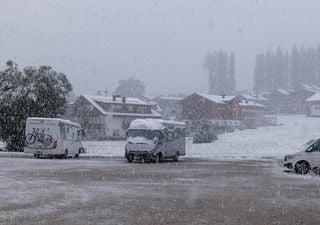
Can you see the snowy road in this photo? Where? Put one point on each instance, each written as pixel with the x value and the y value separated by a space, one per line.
pixel 193 191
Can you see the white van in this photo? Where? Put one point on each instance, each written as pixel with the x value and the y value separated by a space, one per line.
pixel 53 137
pixel 155 140
pixel 305 160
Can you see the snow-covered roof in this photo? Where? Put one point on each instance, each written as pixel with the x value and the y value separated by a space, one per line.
pixel 314 98
pixel 217 98
pixel 94 100
pixel 153 113
pixel 254 98
pixel 250 103
pixel 312 88
pixel 54 120
pixel 154 124
pixel 283 91
pixel 170 98
pixel 118 100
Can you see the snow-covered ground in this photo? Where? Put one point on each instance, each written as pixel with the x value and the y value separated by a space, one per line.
pixel 272 141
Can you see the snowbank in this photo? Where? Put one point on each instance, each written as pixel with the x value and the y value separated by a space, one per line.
pixel 272 141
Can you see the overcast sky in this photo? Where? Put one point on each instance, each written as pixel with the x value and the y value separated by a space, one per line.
pixel 163 42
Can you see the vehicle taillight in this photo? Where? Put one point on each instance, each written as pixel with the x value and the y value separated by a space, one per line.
pixel 55 145
pixel 25 149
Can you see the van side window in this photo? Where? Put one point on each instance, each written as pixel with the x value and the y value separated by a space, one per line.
pixel 62 131
pixel 67 129
pixel 78 135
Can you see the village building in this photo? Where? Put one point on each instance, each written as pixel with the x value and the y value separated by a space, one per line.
pixel 109 117
pixel 313 105
pixel 218 110
pixel 279 101
pixel 258 98
pixel 300 96
pixel 170 107
pixel 251 114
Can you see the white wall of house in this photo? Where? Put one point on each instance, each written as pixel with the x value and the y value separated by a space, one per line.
pixel 114 126
pixel 315 110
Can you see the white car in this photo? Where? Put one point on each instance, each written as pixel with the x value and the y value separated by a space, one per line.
pixel 305 160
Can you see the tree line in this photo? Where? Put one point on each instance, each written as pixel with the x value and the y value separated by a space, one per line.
pixel 284 70
pixel 221 72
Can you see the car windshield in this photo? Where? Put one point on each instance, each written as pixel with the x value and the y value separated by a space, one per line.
pixel 148 134
pixel 306 145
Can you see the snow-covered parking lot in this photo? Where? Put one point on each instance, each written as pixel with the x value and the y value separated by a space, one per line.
pixel 271 141
pixel 192 191
pixel 239 179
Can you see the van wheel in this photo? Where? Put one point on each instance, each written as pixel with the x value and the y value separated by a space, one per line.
pixel 159 158
pixel 176 157
pixel 65 154
pixel 302 167
pixel 77 155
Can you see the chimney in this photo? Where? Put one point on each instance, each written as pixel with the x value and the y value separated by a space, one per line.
pixel 223 94
pixel 123 99
pixel 114 98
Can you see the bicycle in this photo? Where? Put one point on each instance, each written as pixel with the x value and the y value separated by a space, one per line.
pixel 42 137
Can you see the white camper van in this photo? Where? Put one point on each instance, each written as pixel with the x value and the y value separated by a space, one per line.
pixel 155 140
pixel 53 137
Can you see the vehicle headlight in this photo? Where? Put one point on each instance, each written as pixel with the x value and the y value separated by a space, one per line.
pixel 291 156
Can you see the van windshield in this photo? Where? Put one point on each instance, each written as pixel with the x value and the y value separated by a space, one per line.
pixel 148 134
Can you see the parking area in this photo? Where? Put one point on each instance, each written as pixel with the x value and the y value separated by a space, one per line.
pixel 192 191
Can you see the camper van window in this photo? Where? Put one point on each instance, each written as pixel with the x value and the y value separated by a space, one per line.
pixel 78 135
pixel 148 134
pixel 62 131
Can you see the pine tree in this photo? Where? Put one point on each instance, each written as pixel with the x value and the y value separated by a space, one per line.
pixel 259 74
pixel 231 74
pixel 209 64
pixel 295 69
pixel 279 81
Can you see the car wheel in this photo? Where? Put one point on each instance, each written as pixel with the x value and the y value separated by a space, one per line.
pixel 302 167
pixel 130 158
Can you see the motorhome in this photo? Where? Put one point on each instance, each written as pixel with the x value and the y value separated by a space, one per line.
pixel 155 140
pixel 53 137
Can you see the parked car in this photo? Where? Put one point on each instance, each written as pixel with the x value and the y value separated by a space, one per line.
pixel 305 160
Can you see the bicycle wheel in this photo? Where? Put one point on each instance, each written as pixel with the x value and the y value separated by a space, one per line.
pixel 30 139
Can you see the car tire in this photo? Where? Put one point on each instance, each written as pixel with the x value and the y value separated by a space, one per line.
pixel 302 167
pixel 130 158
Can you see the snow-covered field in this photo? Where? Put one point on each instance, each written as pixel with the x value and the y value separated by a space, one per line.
pixel 272 141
